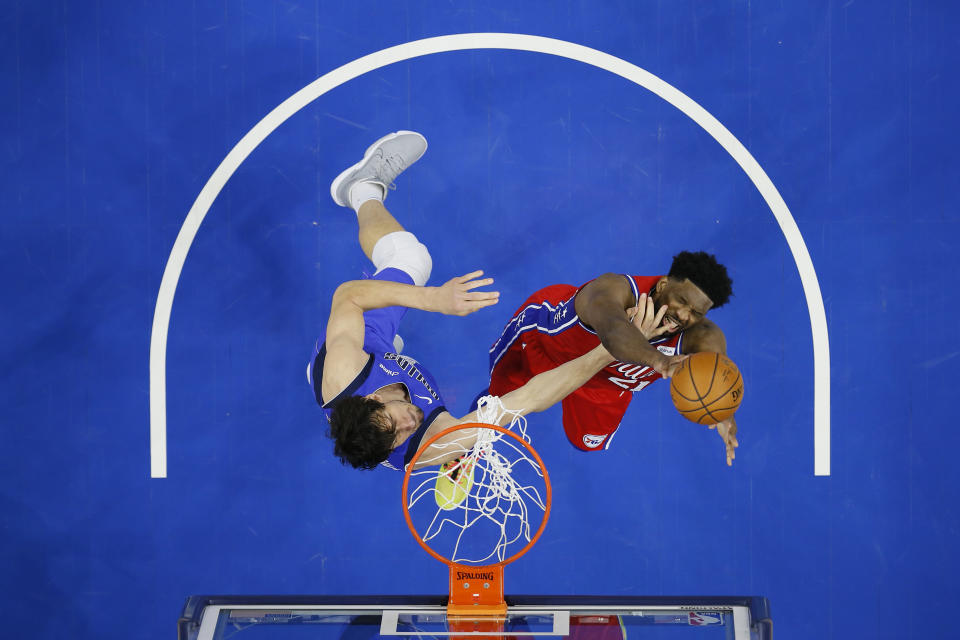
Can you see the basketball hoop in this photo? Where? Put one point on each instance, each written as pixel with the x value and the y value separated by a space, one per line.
pixel 476 508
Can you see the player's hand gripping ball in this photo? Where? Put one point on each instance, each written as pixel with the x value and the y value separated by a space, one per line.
pixel 707 388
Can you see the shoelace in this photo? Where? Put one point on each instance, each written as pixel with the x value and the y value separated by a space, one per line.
pixel 394 165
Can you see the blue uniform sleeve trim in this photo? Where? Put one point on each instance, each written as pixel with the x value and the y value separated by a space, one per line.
pixel 346 393
pixel 633 287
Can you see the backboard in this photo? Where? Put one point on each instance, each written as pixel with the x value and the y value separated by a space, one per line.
pixel 581 618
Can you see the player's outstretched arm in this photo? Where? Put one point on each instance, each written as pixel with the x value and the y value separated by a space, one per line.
pixel 546 389
pixel 455 297
pixel 550 387
pixel 539 393
pixel 602 304
pixel 344 341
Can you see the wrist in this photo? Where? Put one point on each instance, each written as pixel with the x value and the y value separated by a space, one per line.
pixel 431 299
pixel 662 362
pixel 601 355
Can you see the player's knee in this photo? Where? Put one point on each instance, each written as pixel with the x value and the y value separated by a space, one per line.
pixel 401 250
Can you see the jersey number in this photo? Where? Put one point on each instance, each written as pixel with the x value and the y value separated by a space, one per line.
pixel 629 383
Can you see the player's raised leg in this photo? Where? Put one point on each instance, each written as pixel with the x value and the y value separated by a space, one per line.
pixel 364 186
pixel 396 253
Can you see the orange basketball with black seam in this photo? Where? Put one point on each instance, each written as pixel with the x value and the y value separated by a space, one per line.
pixel 708 388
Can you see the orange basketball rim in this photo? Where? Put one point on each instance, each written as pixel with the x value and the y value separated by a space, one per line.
pixel 477 590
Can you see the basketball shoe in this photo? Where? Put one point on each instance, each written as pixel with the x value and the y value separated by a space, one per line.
pixel 383 161
pixel 454 482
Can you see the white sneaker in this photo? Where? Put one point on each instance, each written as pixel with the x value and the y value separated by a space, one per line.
pixel 383 161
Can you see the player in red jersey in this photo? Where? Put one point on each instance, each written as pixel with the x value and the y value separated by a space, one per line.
pixel 562 322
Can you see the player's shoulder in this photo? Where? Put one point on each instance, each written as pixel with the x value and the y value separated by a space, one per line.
pixel 706 325
pixel 704 336
pixel 608 286
pixel 605 297
pixel 341 366
pixel 645 283
pixel 610 278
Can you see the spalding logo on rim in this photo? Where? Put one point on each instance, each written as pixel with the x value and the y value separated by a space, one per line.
pixel 593 441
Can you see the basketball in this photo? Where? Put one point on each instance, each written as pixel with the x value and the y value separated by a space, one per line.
pixel 707 389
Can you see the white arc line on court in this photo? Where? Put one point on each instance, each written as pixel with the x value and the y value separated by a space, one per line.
pixel 459 42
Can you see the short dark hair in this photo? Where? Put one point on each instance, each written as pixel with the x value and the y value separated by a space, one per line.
pixel 360 436
pixel 703 270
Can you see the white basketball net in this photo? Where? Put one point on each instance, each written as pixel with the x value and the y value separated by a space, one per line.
pixel 494 516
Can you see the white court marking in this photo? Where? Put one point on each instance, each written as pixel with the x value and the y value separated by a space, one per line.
pixel 459 42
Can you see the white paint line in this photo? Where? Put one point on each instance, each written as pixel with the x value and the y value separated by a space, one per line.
pixel 459 42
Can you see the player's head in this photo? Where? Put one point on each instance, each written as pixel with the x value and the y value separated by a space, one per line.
pixel 695 284
pixel 365 429
pixel 703 270
pixel 361 435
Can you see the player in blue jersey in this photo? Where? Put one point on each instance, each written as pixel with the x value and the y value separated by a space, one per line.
pixel 382 405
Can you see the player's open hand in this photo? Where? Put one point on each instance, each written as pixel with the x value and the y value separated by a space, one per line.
pixel 728 431
pixel 458 298
pixel 645 319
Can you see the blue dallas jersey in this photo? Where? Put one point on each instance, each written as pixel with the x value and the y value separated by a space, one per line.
pixel 383 369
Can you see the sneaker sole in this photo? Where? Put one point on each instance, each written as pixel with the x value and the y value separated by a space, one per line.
pixel 345 174
pixel 449 493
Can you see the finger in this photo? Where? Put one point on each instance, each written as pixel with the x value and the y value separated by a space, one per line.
pixel 642 302
pixel 470 286
pixel 671 370
pixel 643 306
pixel 713 426
pixel 473 284
pixel 471 275
pixel 660 312
pixel 482 295
pixel 651 308
pixel 480 304
pixel 678 364
pixel 658 322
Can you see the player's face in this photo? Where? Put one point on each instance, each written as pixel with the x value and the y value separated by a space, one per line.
pixel 404 417
pixel 686 303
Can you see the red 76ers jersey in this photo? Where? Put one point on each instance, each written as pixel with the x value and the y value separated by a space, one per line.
pixel 548 332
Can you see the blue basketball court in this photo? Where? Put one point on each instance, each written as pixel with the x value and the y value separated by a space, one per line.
pixel 170 249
